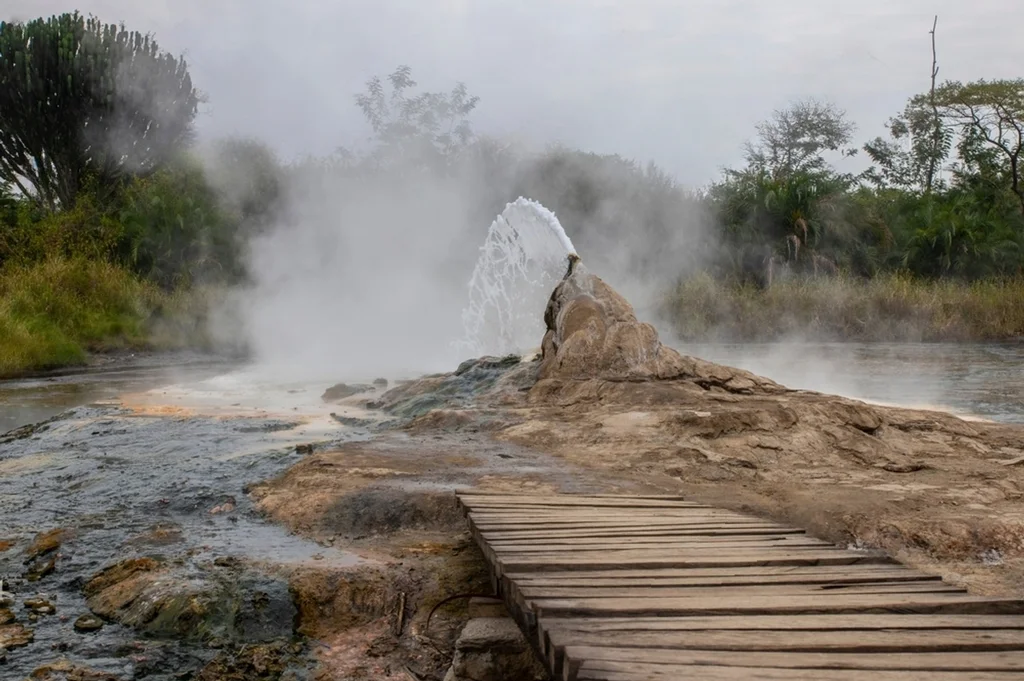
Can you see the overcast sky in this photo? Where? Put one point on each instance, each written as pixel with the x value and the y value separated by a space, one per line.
pixel 679 82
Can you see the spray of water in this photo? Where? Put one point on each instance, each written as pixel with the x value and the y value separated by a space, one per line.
pixel 522 258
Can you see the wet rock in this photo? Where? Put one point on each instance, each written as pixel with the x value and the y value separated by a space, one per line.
pixel 223 604
pixel 249 663
pixel 493 649
pixel 351 421
pixel 41 568
pixel 5 545
pixel 343 390
pixel 65 670
pixel 88 623
pixel 159 535
pixel 269 427
pixel 45 543
pixel 119 574
pixel 40 606
pixel 15 636
pixel 7 616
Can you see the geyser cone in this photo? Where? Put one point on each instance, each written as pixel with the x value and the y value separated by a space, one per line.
pixel 592 333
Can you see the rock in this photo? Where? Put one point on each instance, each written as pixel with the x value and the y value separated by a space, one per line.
pixel 15 636
pixel 45 543
pixel 593 333
pixel 118 574
pixel 222 604
pixel 5 545
pixel 263 661
pixel 381 383
pixel 88 623
pixel 41 568
pixel 343 390
pixel 493 649
pixel 7 616
pixel 63 669
pixel 40 606
pixel 351 422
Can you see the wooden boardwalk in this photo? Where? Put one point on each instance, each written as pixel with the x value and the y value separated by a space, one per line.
pixel 617 588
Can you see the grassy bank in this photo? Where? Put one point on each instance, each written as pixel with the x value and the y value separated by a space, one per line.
pixel 886 308
pixel 54 313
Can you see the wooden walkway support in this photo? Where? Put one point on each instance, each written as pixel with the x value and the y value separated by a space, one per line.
pixel 629 588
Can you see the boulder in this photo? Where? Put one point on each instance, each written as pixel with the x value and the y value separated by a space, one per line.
pixel 593 333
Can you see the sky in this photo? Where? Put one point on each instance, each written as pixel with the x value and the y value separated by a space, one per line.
pixel 678 83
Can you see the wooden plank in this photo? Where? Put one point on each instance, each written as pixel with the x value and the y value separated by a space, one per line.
pixel 473 492
pixel 833 580
pixel 682 543
pixel 972 661
pixel 711 529
pixel 851 641
pixel 754 571
pixel 603 670
pixel 758 605
pixel 545 562
pixel 531 591
pixel 759 623
pixel 474 503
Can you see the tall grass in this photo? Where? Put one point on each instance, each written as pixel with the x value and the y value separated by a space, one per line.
pixel 886 308
pixel 53 313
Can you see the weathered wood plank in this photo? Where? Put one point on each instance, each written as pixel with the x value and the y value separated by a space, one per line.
pixel 758 623
pixel 758 605
pixel 971 661
pixel 531 592
pixel 680 543
pixel 740 571
pixel 667 531
pixel 851 641
pixel 835 579
pixel 681 559
pixel 602 670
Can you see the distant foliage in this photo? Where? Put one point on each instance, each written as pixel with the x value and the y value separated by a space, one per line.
pixel 429 129
pixel 84 101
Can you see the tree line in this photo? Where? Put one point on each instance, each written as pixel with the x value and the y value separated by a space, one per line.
pixel 98 158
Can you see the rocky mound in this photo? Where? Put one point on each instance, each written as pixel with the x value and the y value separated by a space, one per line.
pixel 593 333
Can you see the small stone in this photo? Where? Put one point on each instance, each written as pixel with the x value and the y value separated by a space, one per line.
pixel 88 623
pixel 41 568
pixel 40 606
pixel 45 542
pixel 6 616
pixel 343 390
pixel 5 544
pixel 15 636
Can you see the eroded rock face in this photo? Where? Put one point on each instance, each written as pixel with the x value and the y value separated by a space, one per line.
pixel 593 333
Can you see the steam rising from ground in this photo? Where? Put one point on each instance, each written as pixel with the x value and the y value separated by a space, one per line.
pixel 359 278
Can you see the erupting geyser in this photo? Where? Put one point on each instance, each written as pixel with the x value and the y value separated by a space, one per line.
pixel 520 262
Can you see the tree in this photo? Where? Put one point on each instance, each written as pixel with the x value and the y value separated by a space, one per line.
pixel 80 98
pixel 794 139
pixel 430 128
pixel 989 116
pixel 920 143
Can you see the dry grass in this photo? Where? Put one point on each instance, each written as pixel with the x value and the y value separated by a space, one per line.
pixel 889 308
